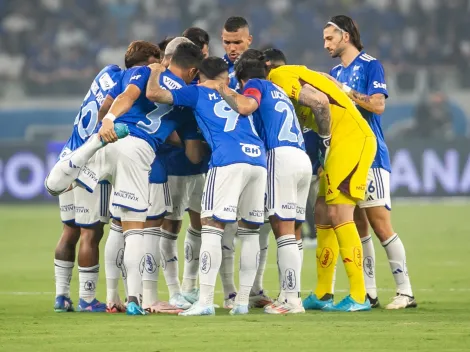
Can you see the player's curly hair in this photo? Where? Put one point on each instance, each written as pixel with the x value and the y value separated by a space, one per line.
pixel 348 25
pixel 251 64
pixel 139 51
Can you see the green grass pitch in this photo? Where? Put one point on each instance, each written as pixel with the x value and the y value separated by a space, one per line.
pixel 436 237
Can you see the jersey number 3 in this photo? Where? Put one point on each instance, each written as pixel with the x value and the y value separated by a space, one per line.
pixel 154 118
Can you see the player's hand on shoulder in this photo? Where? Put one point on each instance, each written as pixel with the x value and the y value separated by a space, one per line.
pixel 106 132
pixel 157 67
pixel 211 84
pixel 334 80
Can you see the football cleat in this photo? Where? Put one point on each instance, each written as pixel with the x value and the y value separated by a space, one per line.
pixel 163 308
pixel 94 306
pixel 279 307
pixel 121 130
pixel 191 296
pixel 374 302
pixel 197 310
pixel 348 304
pixel 230 301
pixel 63 304
pixel 401 301
pixel 260 300
pixel 313 303
pixel 239 309
pixel 134 309
pixel 179 301
pixel 118 307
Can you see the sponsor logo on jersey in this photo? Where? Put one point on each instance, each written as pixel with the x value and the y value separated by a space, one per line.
pixel 251 150
pixel 106 82
pixel 94 88
pixel 379 85
pixel 136 77
pixel 170 83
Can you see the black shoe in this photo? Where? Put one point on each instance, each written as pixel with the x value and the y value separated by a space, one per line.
pixel 374 302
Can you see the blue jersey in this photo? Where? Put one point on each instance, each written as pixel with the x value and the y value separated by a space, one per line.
pixel 275 119
pixel 233 84
pixel 87 118
pixel 150 121
pixel 232 137
pixel 366 75
pixel 311 146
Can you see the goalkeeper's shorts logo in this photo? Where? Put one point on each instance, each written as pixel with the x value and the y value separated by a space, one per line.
pixel 326 257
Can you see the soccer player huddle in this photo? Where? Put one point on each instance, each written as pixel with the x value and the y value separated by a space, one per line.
pixel 237 142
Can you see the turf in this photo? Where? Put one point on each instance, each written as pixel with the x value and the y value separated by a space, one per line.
pixel 435 236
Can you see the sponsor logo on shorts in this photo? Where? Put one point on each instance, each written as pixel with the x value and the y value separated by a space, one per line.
pixel 82 210
pixel 257 213
pixel 289 206
pixel 230 209
pixel 89 286
pixel 326 257
pixel 251 150
pixel 188 252
pixel 86 171
pixel 150 264
pixel 66 208
pixel 358 257
pixel 290 279
pixel 126 195
pixel 300 210
pixel 369 266
pixel 205 262
pixel 329 191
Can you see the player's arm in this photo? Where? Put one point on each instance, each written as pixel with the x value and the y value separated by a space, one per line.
pixel 195 150
pixel 155 92
pixel 104 109
pixel 174 139
pixel 245 104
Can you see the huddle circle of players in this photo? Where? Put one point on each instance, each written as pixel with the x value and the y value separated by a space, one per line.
pixel 239 142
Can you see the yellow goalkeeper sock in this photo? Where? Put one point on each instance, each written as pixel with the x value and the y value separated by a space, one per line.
pixel 327 255
pixel 351 252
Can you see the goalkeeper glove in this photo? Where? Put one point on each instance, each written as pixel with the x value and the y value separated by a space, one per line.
pixel 323 148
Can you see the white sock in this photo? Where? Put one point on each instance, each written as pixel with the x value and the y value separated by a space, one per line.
pixel 133 255
pixel 289 265
pixel 264 232
pixel 368 266
pixel 397 259
pixel 192 247
pixel 300 246
pixel 88 278
pixel 333 282
pixel 63 276
pixel 210 259
pixel 113 256
pixel 169 252
pixel 227 269
pixel 66 171
pixel 151 243
pixel 249 257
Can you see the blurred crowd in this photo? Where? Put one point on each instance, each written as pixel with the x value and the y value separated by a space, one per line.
pixel 56 46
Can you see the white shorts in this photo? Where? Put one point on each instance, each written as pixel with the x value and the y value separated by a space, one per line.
pixel 126 164
pixel 377 190
pixel 85 209
pixel 181 188
pixel 160 202
pixel 195 198
pixel 289 176
pixel 235 191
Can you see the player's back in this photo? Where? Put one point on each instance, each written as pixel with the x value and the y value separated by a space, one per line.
pixel 345 118
pixel 231 136
pixel 275 119
pixel 87 118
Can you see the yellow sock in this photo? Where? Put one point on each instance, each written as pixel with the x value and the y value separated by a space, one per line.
pixel 327 255
pixel 351 251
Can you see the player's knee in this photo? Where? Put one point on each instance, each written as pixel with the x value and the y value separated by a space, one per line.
pixel 321 212
pixel 362 224
pixel 212 222
pixel 281 227
pixel 91 236
pixel 382 229
pixel 195 220
pixel 173 226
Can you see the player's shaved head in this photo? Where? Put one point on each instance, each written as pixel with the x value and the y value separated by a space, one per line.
pixel 199 37
pixel 340 33
pixel 213 68
pixel 141 52
pixel 236 37
pixel 275 57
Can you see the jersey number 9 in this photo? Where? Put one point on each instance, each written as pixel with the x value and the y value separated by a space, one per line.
pixel 224 111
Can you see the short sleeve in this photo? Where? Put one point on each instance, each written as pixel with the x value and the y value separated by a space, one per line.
pixel 187 96
pixel 376 79
pixel 140 77
pixel 115 91
pixel 253 89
